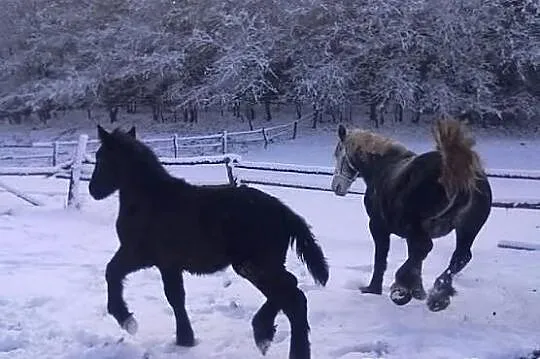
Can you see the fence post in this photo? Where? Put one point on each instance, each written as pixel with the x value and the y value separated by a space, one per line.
pixel 55 152
pixel 175 145
pixel 265 137
pixel 294 129
pixel 74 200
pixel 229 165
pixel 224 143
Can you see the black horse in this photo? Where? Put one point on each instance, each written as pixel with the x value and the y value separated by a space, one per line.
pixel 166 222
pixel 417 197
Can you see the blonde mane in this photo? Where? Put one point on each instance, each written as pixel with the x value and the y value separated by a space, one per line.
pixel 366 142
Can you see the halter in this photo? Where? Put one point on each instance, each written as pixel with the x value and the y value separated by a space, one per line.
pixel 351 168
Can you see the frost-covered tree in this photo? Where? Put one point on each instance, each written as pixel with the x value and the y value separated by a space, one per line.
pixel 420 56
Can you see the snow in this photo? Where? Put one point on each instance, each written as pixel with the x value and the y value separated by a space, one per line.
pixel 53 293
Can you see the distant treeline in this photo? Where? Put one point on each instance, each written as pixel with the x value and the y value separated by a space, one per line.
pixel 477 59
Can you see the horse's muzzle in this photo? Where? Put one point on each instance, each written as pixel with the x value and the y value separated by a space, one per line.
pixel 340 185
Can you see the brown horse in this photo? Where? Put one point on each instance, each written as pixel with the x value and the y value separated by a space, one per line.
pixel 417 197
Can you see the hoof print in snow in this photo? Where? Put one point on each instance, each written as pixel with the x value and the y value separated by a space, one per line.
pixel 308 287
pixel 378 349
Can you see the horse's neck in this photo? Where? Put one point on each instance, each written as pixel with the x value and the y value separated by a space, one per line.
pixel 147 190
pixel 382 169
pixel 143 188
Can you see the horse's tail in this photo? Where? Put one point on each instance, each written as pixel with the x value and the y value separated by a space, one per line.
pixel 461 165
pixel 307 249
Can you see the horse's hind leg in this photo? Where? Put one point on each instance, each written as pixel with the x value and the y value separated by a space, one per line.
pixel 466 232
pixel 173 285
pixel 408 282
pixel 280 288
pixel 263 325
pixel 121 264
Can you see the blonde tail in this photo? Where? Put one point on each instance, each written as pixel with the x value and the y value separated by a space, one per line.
pixel 461 165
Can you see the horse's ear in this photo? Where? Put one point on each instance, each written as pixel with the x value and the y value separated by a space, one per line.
pixel 103 134
pixel 132 132
pixel 342 132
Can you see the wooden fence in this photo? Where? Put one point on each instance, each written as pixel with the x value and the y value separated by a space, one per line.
pixel 218 143
pixel 79 151
pixel 234 164
pixel 329 171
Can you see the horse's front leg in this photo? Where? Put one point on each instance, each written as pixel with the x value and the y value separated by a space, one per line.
pixel 408 282
pixel 121 264
pixel 173 285
pixel 381 238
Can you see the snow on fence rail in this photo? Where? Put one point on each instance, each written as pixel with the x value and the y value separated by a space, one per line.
pixel 219 143
pixel 73 170
pixel 328 171
pixel 221 140
pixel 233 163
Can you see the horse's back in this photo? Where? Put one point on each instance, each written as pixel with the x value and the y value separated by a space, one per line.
pixel 209 227
pixel 416 189
pixel 416 200
pixel 251 223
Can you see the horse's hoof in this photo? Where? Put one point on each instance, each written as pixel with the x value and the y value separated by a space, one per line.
pixel 130 325
pixel 264 345
pixel 263 337
pixel 437 304
pixel 400 295
pixel 186 342
pixel 371 290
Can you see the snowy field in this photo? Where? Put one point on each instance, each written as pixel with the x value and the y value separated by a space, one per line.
pixel 52 263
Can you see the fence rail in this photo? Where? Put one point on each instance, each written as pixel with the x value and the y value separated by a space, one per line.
pixel 219 142
pixel 328 171
pixel 233 163
pixel 74 169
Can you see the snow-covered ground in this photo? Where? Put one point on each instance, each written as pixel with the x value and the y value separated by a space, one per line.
pixel 52 287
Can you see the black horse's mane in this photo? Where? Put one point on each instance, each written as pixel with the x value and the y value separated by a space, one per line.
pixel 141 155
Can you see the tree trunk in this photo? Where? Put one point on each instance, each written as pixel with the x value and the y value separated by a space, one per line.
pixel 194 113
pixel 131 107
pixel 186 115
pixel 157 111
pixel 268 111
pixel 416 117
pixel 317 114
pixel 398 112
pixel 16 119
pixel 333 114
pixel 44 115
pixel 373 114
pixel 298 107
pixel 113 113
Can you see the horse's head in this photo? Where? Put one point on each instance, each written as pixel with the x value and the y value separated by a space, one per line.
pixel 361 153
pixel 345 172
pixel 111 162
